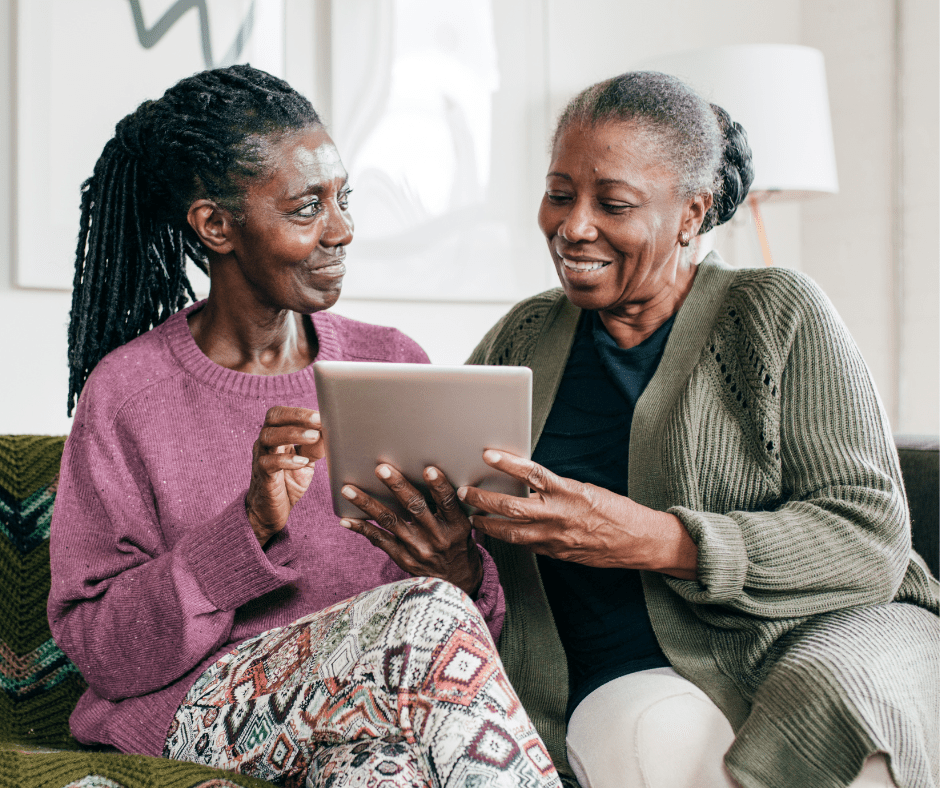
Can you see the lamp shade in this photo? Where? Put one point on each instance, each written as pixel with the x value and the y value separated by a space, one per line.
pixel 778 93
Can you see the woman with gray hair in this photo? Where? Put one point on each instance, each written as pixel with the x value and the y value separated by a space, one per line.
pixel 712 582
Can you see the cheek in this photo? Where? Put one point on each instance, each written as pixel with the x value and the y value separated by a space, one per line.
pixel 548 218
pixel 305 240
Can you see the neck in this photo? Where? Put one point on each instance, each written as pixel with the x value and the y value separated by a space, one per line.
pixel 631 323
pixel 251 338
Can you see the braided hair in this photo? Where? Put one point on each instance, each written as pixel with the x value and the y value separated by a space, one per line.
pixel 708 151
pixel 205 138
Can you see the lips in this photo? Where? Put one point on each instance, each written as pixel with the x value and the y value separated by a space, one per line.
pixel 335 267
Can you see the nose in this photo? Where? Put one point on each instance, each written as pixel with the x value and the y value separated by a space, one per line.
pixel 339 227
pixel 578 224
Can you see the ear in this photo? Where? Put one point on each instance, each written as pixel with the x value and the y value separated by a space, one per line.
pixel 695 213
pixel 214 225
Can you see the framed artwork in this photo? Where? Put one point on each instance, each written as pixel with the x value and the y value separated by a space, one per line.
pixel 81 67
pixel 440 113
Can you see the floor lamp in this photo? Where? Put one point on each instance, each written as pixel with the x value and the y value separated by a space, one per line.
pixel 778 93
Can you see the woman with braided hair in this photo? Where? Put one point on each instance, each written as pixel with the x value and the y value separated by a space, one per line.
pixel 200 580
pixel 712 582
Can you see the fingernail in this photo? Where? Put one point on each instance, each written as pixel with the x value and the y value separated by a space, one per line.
pixel 346 524
pixel 348 492
pixel 492 456
pixel 300 459
pixel 431 473
pixel 312 435
pixel 461 492
pixel 384 471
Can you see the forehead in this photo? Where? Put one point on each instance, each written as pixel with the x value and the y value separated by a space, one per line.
pixel 300 159
pixel 609 149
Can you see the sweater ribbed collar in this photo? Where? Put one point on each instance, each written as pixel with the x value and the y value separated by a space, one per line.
pixel 175 332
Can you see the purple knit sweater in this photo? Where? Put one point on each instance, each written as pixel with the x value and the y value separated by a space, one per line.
pixel 156 572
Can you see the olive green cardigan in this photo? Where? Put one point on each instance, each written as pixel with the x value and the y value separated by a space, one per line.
pixel 763 432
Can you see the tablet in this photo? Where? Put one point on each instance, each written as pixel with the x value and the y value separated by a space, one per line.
pixel 414 415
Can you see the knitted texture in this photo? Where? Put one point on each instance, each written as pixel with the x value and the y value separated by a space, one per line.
pixel 111 770
pixel 39 684
pixel 762 431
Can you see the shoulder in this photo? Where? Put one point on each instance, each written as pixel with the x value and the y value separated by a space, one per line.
pixel 126 372
pixel 772 319
pixel 782 301
pixel 358 341
pixel 533 309
pixel 518 328
pixel 782 287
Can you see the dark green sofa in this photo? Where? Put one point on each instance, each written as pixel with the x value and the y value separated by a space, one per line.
pixel 39 686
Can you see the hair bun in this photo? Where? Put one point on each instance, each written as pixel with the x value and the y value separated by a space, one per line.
pixel 735 173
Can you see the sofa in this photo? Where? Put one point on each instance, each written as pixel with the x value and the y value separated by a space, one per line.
pixel 39 686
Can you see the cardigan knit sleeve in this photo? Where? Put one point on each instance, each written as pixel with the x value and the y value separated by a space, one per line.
pixel 839 536
pixel 132 611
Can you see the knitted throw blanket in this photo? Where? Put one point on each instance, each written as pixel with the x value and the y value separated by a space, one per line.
pixel 39 686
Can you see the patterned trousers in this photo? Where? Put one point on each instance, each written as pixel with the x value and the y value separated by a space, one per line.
pixel 398 686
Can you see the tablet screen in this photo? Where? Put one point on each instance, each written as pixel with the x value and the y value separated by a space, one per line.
pixel 414 415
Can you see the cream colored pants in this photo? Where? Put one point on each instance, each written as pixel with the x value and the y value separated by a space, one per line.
pixel 655 729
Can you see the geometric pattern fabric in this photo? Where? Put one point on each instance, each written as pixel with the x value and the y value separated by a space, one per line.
pixel 398 686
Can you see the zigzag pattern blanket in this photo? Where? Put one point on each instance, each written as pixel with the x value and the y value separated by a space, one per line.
pixel 39 686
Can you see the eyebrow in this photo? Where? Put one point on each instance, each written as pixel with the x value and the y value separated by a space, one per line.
pixel 617 182
pixel 601 181
pixel 315 189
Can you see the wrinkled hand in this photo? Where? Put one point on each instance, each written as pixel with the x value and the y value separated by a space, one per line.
pixel 281 467
pixel 582 523
pixel 429 544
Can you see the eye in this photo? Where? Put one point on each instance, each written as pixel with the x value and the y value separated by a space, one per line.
pixel 557 198
pixel 309 210
pixel 343 199
pixel 615 207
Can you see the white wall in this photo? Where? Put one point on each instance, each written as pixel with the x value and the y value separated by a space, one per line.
pixel 919 197
pixel 873 247
pixel 33 373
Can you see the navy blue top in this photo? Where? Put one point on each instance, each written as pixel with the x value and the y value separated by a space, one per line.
pixel 600 613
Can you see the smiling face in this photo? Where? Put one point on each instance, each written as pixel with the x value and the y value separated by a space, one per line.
pixel 290 243
pixel 612 215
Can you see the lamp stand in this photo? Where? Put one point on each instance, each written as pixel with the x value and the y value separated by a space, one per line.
pixel 754 202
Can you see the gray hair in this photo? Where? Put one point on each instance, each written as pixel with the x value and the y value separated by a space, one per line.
pixel 707 150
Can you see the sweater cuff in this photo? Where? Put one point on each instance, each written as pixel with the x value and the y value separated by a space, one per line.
pixel 227 561
pixel 490 601
pixel 722 557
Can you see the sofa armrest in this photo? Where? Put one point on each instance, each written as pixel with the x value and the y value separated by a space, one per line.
pixel 920 466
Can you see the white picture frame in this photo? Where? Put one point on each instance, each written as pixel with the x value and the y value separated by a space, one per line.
pixel 82 66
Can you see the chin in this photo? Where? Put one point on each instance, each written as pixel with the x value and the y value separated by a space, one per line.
pixel 320 301
pixel 585 298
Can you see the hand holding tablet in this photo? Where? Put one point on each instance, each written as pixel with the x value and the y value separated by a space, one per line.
pixel 391 430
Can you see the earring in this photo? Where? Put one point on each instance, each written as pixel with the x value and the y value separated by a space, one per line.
pixel 684 238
